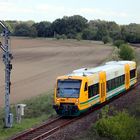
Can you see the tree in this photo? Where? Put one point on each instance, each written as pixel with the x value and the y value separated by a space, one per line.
pixel 69 26
pixel 106 39
pixel 77 23
pixel 100 27
pixel 131 33
pixel 89 34
pixel 33 32
pixel 126 52
pixel 74 25
pixel 114 30
pixel 43 29
pixel 101 33
pixel 22 29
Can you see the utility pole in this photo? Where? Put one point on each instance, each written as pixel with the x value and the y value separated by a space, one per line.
pixel 7 56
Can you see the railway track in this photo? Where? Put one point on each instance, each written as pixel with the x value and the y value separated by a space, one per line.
pixel 46 130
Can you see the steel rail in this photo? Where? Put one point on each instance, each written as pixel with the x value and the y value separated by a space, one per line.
pixel 32 130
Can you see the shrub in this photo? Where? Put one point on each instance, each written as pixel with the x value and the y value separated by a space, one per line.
pixel 126 52
pixel 71 35
pixel 117 43
pixel 106 39
pixel 119 127
pixel 63 36
pixel 58 36
pixel 78 37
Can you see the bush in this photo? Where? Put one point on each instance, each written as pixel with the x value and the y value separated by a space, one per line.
pixel 118 43
pixel 119 127
pixel 106 39
pixel 71 35
pixel 78 37
pixel 58 36
pixel 63 36
pixel 126 52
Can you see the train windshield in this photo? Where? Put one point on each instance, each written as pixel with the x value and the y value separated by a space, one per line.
pixel 68 88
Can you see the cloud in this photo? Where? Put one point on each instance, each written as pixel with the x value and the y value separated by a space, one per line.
pixel 45 8
pixel 19 10
pixel 101 12
pixel 9 7
pixel 83 11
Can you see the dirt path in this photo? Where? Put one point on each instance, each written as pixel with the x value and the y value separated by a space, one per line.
pixel 37 63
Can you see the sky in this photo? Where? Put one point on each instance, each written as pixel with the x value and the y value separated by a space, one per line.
pixel 120 11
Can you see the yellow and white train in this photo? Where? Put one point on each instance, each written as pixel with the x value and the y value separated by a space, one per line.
pixel 84 88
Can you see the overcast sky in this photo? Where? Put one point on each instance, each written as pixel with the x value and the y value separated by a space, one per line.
pixel 120 11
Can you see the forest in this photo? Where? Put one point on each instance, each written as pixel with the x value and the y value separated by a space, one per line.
pixel 76 27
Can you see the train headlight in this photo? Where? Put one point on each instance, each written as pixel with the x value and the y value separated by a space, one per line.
pixel 77 101
pixel 57 100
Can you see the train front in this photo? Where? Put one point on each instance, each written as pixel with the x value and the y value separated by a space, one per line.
pixel 66 96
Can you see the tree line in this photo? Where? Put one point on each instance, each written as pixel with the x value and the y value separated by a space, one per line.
pixel 76 27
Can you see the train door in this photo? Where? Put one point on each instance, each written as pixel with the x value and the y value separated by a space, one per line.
pixel 102 83
pixel 127 76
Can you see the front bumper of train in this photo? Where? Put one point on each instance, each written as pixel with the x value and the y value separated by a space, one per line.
pixel 66 109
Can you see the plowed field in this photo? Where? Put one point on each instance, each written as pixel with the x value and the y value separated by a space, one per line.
pixel 37 63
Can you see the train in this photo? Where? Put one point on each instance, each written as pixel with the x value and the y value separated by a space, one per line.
pixel 85 88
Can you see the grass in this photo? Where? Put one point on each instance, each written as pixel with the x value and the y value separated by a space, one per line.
pixel 38 109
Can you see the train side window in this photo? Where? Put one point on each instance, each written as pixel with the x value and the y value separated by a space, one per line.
pixel 109 85
pixel 116 80
pixel 85 89
pixel 123 77
pixel 119 80
pixel 114 83
pixel 96 89
pixel 93 90
pixel 132 73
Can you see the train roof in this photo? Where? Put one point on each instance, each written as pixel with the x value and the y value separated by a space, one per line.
pixel 112 65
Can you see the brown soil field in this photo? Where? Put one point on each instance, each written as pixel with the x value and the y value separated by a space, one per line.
pixel 37 63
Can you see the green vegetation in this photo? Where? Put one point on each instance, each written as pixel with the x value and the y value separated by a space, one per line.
pixel 73 25
pixel 38 109
pixel 88 34
pixel 106 39
pixel 126 52
pixel 119 127
pixel 118 43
